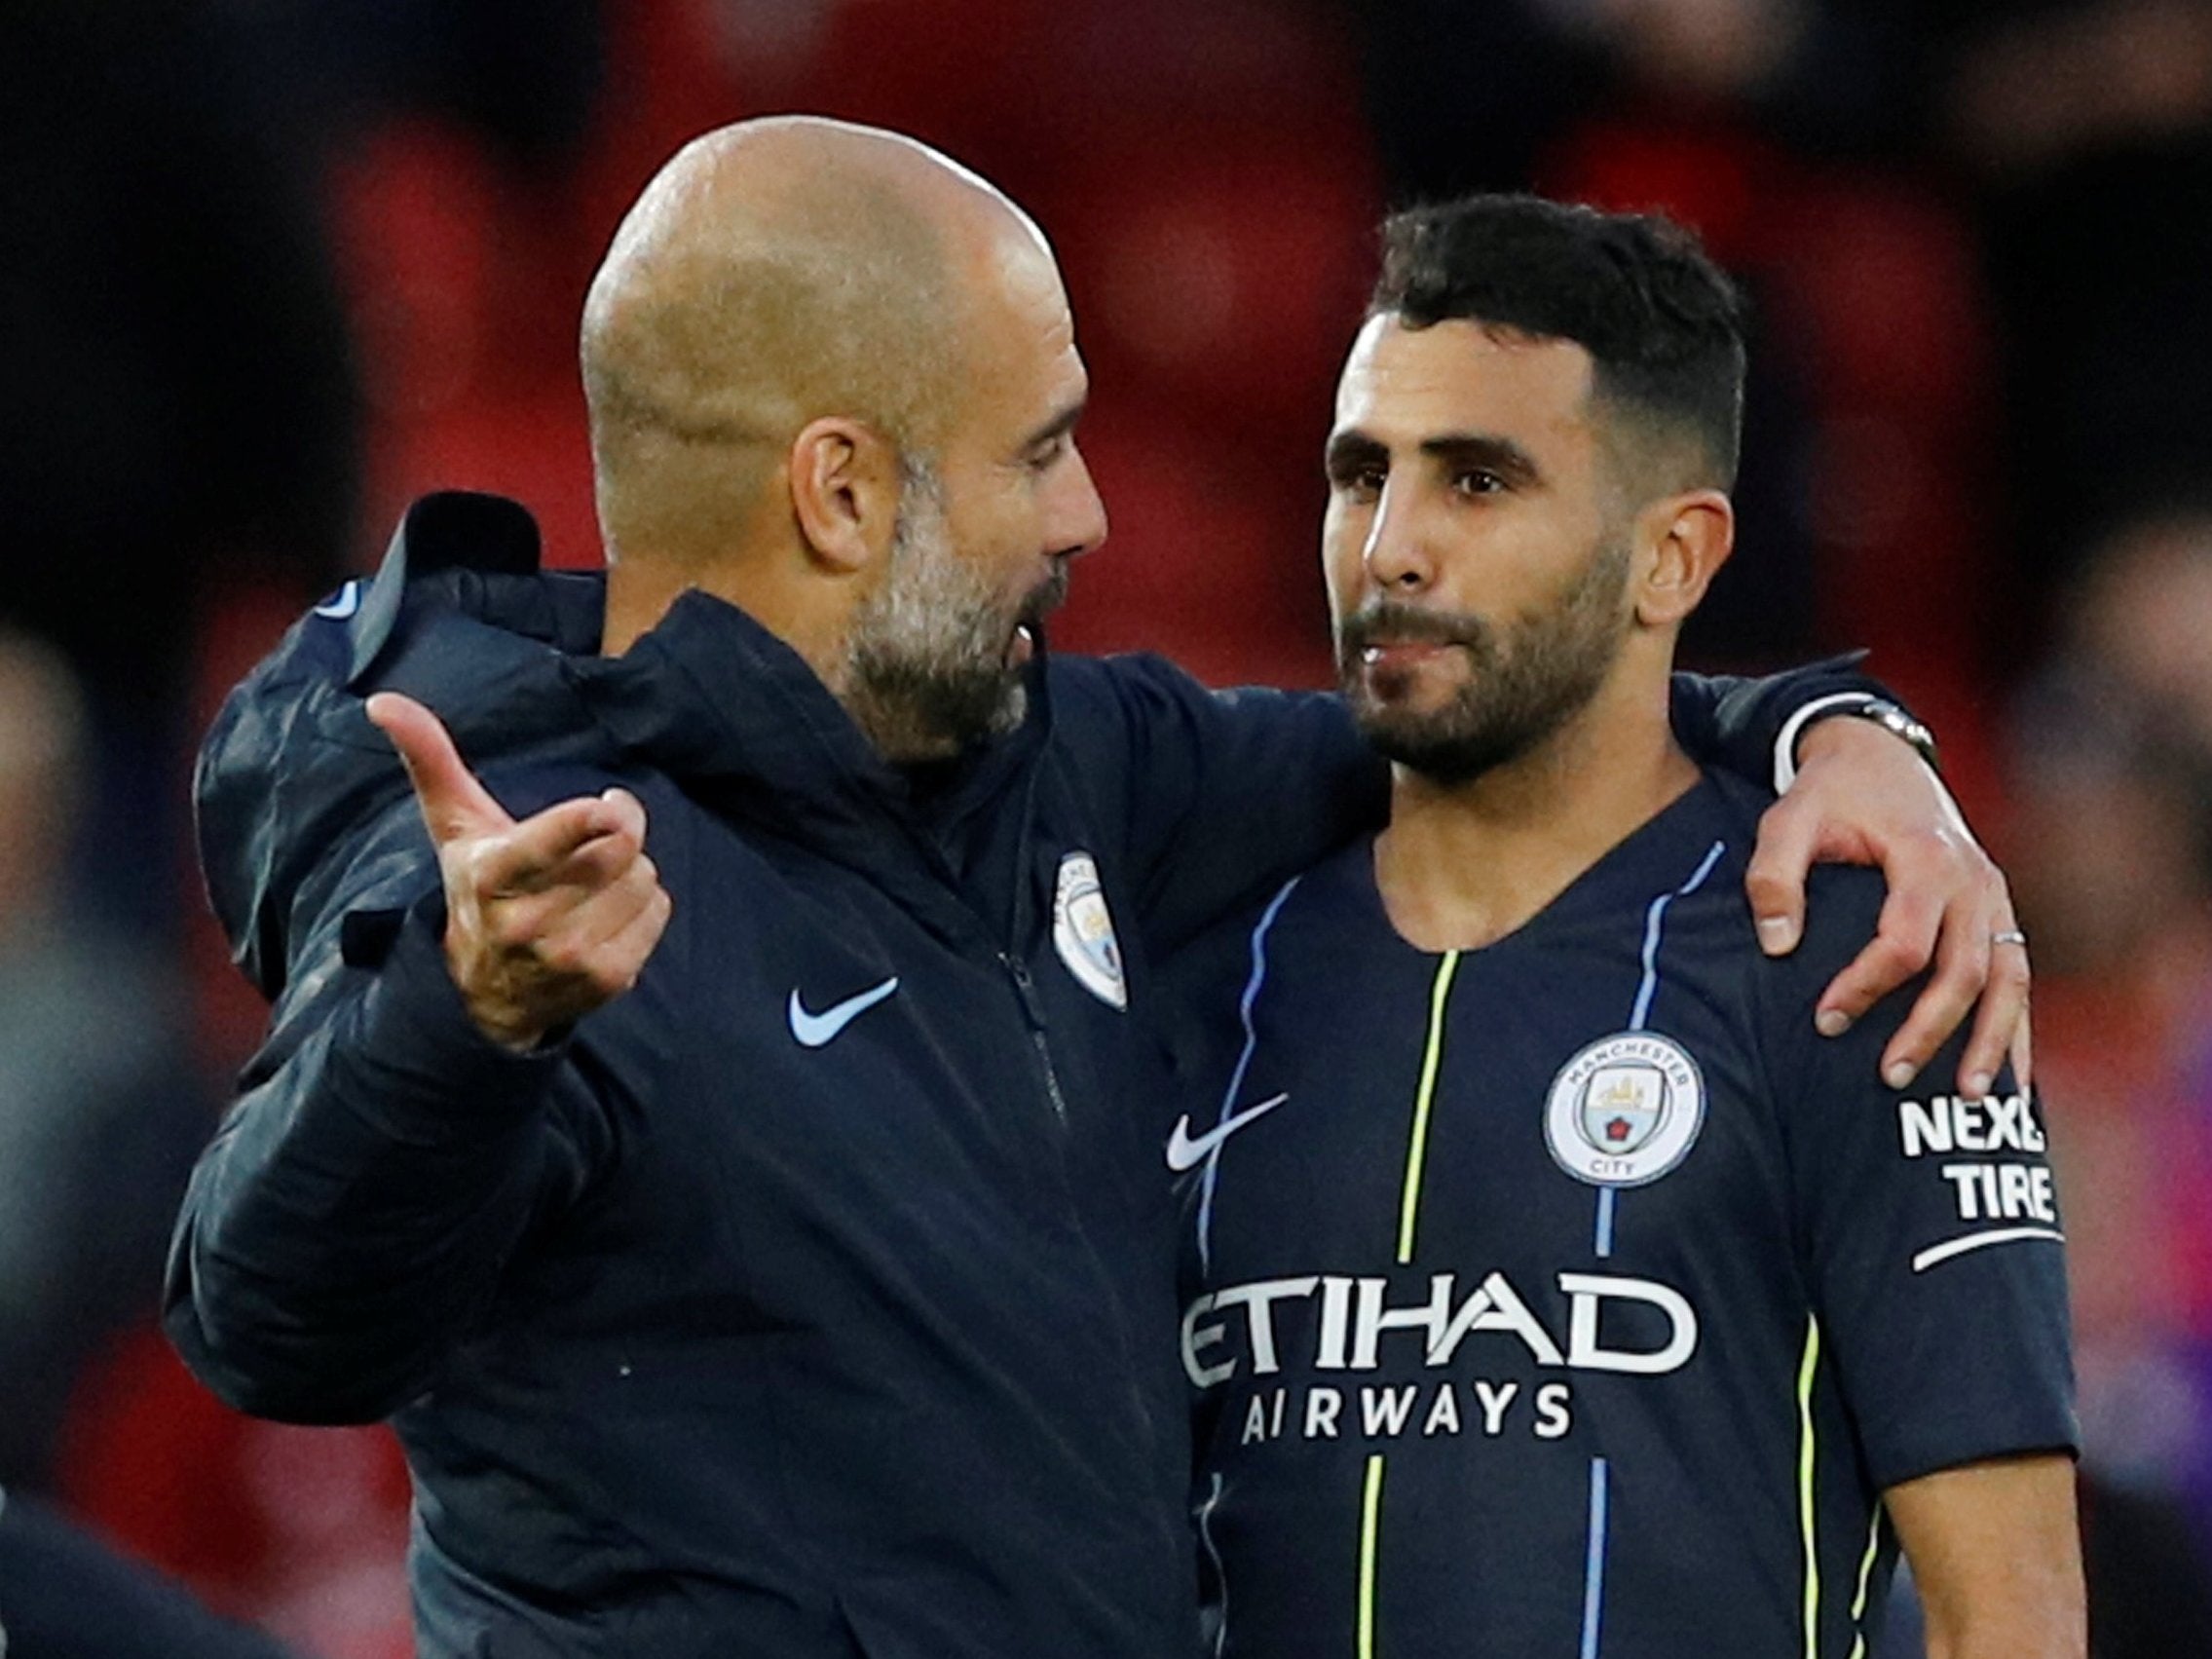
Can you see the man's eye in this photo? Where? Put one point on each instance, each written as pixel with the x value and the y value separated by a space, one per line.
pixel 1045 458
pixel 1477 481
pixel 1362 480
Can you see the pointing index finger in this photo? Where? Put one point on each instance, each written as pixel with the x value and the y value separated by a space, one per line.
pixel 454 802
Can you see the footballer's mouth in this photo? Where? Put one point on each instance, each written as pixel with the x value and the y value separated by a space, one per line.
pixel 1406 653
pixel 1391 638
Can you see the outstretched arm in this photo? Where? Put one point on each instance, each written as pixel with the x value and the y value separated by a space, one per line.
pixel 1225 795
pixel 1995 1555
pixel 406 1125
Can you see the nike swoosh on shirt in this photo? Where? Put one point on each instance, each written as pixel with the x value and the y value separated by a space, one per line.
pixel 815 1030
pixel 1186 1153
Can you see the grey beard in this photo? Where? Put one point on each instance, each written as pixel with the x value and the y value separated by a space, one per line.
pixel 926 674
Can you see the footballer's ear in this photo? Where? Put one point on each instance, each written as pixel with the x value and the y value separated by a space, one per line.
pixel 844 492
pixel 1686 539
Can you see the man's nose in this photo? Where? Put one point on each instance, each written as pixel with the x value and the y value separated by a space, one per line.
pixel 1396 553
pixel 1076 519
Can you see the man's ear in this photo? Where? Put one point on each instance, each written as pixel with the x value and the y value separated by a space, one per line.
pixel 844 492
pixel 1687 539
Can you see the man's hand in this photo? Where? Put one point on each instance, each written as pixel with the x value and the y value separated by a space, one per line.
pixel 1862 797
pixel 545 919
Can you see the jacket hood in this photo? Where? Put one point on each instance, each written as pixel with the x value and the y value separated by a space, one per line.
pixel 459 616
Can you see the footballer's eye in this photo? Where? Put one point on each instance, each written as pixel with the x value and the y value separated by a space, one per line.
pixel 1357 467
pixel 1363 478
pixel 1477 481
pixel 1047 455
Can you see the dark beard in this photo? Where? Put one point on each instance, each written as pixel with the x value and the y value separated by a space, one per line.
pixel 1527 679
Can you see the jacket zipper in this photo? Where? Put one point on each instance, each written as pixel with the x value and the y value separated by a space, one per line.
pixel 1024 987
pixel 1033 1008
pixel 1124 1340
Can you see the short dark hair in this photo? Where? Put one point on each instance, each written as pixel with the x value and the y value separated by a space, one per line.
pixel 1662 324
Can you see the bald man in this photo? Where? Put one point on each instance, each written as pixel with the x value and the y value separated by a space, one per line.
pixel 759 1244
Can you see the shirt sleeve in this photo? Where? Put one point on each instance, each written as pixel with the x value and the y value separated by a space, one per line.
pixel 1928 1227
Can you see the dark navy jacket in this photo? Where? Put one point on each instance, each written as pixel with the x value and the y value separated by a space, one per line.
pixel 709 1332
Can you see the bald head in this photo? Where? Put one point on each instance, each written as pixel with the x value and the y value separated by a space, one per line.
pixel 775 273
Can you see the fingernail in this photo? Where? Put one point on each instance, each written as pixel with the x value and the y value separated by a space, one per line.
pixel 1978 1083
pixel 1777 933
pixel 1899 1074
pixel 1831 1022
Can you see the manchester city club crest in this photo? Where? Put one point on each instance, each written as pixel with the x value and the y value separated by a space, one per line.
pixel 1082 932
pixel 1626 1110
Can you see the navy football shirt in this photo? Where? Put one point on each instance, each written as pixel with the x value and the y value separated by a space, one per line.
pixel 1573 1296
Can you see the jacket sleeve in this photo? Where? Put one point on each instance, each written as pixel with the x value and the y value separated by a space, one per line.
pixel 1738 723
pixel 352 1218
pixel 1230 794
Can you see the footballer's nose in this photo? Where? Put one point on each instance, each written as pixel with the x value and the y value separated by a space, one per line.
pixel 1396 554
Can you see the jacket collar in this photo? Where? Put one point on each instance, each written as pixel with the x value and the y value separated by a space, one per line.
pixel 715 701
pixel 708 696
pixel 462 531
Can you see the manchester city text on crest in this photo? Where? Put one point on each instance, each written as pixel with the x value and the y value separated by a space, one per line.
pixel 1626 1110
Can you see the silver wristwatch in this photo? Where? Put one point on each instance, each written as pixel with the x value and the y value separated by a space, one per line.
pixel 1899 723
pixel 1885 714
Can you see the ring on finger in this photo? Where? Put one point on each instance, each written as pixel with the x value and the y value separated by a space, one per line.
pixel 2008 936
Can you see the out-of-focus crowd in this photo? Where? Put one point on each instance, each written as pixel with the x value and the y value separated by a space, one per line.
pixel 266 271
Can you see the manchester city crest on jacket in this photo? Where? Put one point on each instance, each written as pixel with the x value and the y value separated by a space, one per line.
pixel 1082 932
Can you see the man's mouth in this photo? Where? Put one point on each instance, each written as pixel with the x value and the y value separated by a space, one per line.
pixel 1046 598
pixel 1405 652
pixel 1396 639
